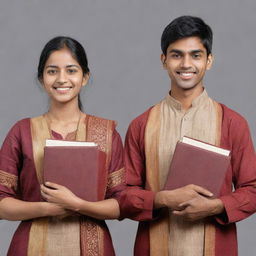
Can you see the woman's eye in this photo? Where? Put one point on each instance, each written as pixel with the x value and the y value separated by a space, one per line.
pixel 72 71
pixel 51 71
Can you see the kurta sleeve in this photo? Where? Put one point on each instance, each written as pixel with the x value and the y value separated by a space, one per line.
pixel 10 163
pixel 240 203
pixel 116 173
pixel 136 202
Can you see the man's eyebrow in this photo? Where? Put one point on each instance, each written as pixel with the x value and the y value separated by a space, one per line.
pixel 197 51
pixel 175 51
pixel 181 52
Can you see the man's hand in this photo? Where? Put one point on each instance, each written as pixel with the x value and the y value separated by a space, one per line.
pixel 199 208
pixel 173 198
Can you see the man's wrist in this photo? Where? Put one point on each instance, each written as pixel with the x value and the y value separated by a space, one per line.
pixel 218 207
pixel 159 200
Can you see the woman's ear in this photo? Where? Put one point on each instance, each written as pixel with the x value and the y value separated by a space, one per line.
pixel 41 81
pixel 86 78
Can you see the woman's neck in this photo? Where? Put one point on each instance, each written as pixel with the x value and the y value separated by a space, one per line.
pixel 64 113
pixel 63 118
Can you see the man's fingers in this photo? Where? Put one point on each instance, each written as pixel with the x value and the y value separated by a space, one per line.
pixel 202 191
pixel 184 205
pixel 178 213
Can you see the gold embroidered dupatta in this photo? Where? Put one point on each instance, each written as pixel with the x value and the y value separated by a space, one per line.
pixel 159 229
pixel 90 128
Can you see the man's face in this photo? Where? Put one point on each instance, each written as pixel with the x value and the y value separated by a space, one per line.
pixel 186 62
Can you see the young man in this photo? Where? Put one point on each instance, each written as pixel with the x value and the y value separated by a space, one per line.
pixel 187 221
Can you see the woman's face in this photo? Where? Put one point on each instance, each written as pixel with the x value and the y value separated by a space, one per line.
pixel 63 77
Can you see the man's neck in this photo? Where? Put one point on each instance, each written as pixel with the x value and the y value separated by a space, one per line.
pixel 186 97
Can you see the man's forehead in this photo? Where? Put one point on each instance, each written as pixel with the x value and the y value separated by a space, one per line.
pixel 188 44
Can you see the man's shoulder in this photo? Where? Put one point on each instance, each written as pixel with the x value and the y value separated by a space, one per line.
pixel 231 114
pixel 140 120
pixel 233 119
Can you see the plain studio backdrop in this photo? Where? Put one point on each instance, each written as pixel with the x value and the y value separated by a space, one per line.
pixel 122 41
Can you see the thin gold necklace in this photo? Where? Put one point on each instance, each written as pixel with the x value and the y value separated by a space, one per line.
pixel 49 121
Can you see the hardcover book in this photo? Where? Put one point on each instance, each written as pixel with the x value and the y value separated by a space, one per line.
pixel 75 165
pixel 199 163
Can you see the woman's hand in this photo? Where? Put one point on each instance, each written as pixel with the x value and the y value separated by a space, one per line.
pixel 54 210
pixel 61 196
pixel 14 209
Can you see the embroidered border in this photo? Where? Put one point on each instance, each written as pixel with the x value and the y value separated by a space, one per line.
pixel 116 178
pixel 91 238
pixel 97 132
pixel 8 180
pixel 100 130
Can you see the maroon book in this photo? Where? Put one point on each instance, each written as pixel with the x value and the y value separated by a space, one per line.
pixel 199 166
pixel 77 168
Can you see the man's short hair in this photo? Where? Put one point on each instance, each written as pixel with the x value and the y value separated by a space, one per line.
pixel 187 26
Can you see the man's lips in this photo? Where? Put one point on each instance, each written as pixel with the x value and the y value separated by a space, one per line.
pixel 62 89
pixel 186 74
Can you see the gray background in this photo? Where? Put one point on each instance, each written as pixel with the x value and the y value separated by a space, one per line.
pixel 122 39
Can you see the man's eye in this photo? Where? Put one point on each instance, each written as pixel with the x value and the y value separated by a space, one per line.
pixel 197 56
pixel 176 56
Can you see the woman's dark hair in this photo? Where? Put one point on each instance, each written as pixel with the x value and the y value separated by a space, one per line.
pixel 187 26
pixel 59 43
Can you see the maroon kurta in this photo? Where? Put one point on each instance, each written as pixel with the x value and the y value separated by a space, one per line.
pixel 137 203
pixel 18 179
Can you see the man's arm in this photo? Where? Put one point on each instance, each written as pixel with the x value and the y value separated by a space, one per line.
pixel 239 204
pixel 136 202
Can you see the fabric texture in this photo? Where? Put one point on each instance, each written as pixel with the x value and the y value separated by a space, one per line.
pixel 19 179
pixel 137 201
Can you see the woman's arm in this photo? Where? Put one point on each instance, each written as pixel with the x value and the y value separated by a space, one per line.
pixel 64 198
pixel 14 209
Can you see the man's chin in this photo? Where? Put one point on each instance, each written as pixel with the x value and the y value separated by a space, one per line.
pixel 188 88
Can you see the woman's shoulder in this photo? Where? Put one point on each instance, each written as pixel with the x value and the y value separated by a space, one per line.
pixel 21 124
pixel 19 129
pixel 100 121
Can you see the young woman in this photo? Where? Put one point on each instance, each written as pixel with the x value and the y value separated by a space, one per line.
pixel 63 224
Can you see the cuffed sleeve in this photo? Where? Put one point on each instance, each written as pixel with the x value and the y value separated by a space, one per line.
pixel 241 202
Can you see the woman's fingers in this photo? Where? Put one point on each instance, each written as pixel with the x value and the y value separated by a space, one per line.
pixel 53 185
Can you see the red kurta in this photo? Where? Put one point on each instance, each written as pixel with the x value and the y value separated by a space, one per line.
pixel 18 179
pixel 137 203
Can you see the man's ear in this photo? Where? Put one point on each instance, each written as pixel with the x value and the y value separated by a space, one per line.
pixel 163 60
pixel 86 78
pixel 210 60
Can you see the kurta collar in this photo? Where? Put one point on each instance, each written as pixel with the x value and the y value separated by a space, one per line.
pixel 200 100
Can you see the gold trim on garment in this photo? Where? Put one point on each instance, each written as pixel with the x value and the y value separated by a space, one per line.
pixel 8 180
pixel 116 178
